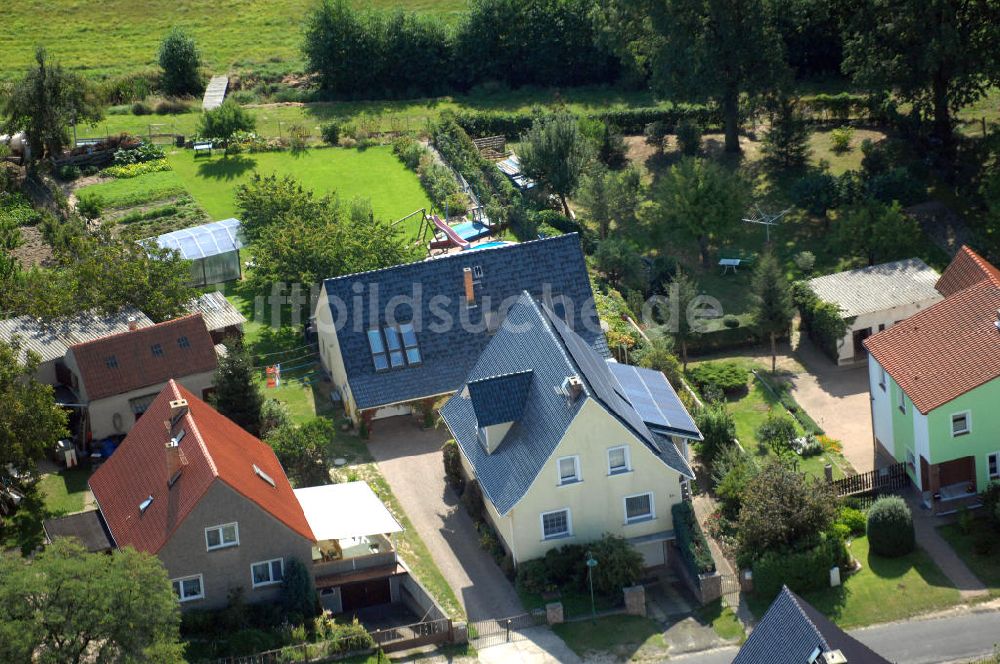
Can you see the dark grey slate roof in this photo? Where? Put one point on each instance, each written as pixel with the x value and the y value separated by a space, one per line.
pixel 529 341
pixel 550 269
pixel 500 398
pixel 792 629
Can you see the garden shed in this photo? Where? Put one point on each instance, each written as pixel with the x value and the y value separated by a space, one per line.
pixel 213 249
pixel 874 298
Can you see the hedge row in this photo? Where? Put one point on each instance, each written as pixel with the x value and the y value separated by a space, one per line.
pixel 627 120
pixel 823 320
pixel 691 540
pixel 801 571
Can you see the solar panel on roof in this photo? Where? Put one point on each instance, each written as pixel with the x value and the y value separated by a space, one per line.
pixel 654 399
pixel 212 239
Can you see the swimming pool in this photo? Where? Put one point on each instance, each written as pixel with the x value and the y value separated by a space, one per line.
pixel 490 245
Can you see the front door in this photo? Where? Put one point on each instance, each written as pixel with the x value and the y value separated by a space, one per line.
pixel 859 342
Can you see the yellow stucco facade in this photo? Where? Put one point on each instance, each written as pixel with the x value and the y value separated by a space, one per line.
pixel 596 500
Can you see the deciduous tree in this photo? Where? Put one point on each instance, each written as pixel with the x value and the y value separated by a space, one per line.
pixel 700 50
pixel 878 232
pixel 181 64
pixel 701 198
pixel 67 605
pixel 773 308
pixel 45 103
pixel 302 450
pixel 939 55
pixel 554 152
pixel 777 432
pixel 222 122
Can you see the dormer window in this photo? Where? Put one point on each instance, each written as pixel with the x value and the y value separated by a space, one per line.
pixel 111 362
pixel 157 350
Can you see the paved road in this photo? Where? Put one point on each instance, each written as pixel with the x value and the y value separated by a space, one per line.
pixel 410 460
pixel 931 641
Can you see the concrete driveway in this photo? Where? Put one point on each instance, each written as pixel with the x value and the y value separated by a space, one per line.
pixel 410 460
pixel 837 398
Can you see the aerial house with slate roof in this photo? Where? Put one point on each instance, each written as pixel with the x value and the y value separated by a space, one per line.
pixel 934 381
pixel 405 336
pixel 567 445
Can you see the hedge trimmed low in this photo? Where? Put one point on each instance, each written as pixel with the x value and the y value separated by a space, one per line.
pixel 801 571
pixel 890 527
pixel 691 540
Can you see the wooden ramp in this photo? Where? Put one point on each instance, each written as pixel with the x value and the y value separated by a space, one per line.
pixel 215 93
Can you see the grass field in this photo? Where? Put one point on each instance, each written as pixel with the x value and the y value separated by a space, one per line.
pixel 621 636
pixel 986 566
pixel 374 174
pixel 107 37
pixel 884 590
pixel 64 492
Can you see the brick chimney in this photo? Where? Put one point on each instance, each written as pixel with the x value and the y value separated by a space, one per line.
pixel 133 324
pixel 470 289
pixel 178 408
pixel 173 454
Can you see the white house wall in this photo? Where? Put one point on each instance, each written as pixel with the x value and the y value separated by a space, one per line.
pixel 881 406
pixel 330 355
pixel 921 439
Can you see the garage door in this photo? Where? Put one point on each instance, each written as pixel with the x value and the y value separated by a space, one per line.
pixel 652 553
pixel 354 596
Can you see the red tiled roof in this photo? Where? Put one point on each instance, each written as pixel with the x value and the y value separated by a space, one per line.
pixel 214 448
pixel 136 366
pixel 945 350
pixel 966 269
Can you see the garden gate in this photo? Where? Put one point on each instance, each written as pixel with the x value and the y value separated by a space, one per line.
pixel 493 632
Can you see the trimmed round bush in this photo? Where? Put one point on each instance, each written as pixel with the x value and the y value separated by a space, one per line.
pixel 890 527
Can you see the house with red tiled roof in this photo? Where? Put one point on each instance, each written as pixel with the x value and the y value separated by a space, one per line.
pixel 213 503
pixel 116 377
pixel 935 386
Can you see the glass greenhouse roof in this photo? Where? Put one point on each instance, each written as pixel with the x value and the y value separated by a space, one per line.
pixel 217 237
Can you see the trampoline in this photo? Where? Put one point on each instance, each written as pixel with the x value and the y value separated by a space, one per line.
pixel 213 249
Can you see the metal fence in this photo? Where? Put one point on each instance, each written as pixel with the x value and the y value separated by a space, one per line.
pixel 485 633
pixel 415 635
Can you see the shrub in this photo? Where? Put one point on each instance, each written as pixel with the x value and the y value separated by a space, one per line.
pixel 840 139
pixel 16 210
pixel 815 193
pixel 718 429
pixel 172 106
pixel 728 377
pixel 890 527
pixel 141 108
pixel 982 545
pixel 180 61
pixel 619 565
pixel 810 448
pixel 732 322
pixel 68 172
pixel 566 564
pixel 453 465
pixel 897 184
pixel 299 590
pixel 137 169
pixel 805 261
pixel 777 431
pixel 991 503
pixel 472 499
pixel 138 154
pixel 801 571
pixel 689 137
pixel 533 577
pixel 655 133
pixel 298 136
pixel 330 132
pixel 691 542
pixel 90 207
pixel 223 122
pixel 854 519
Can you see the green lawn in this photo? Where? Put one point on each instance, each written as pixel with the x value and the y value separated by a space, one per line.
pixel 620 635
pixel 118 36
pixel 374 173
pixel 576 602
pixel 722 619
pixel 64 492
pixel 750 411
pixel 985 566
pixel 884 590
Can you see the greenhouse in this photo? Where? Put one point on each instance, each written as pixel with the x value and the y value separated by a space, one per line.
pixel 213 249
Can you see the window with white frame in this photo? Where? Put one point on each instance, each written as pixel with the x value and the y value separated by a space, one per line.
pixel 220 537
pixel 902 401
pixel 993 465
pixel 189 587
pixel 639 508
pixel 618 460
pixel 881 378
pixel 556 524
pixel 961 423
pixel 267 572
pixel 911 460
pixel 569 469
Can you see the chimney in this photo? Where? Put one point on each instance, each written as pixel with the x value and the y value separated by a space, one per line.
pixel 470 289
pixel 178 408
pixel 133 324
pixel 572 387
pixel 173 453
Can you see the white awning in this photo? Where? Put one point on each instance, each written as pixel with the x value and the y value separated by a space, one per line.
pixel 342 511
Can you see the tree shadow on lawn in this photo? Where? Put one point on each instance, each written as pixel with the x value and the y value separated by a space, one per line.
pixel 227 168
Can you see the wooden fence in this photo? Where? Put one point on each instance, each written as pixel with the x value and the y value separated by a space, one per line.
pixel 497 143
pixel 880 480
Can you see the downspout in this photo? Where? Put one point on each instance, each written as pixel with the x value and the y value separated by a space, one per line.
pixel 513 542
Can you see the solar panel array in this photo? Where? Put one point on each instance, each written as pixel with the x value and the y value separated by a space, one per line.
pixel 654 398
pixel 212 239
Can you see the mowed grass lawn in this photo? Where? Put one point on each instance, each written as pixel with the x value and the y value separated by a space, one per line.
pixel 884 590
pixel 985 564
pixel 64 492
pixel 374 173
pixel 109 37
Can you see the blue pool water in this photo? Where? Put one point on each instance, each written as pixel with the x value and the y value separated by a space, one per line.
pixel 489 245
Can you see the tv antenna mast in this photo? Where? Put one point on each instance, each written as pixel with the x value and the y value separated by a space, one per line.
pixel 758 216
